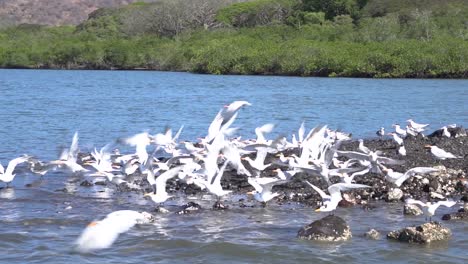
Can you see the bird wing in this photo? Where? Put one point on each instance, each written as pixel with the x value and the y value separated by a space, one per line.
pixel 215 126
pixel 260 131
pixel 301 132
pixel 413 201
pixel 162 179
pixel 447 203
pixel 2 170
pixel 253 181
pixel 73 152
pixel 12 164
pixel 390 161
pixel 177 135
pixel 217 179
pixel 317 189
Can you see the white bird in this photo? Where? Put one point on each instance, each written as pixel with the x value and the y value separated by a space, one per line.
pixel 214 185
pixel 7 175
pixel 224 119
pixel 363 148
pixel 396 138
pixel 398 178
pixel 102 234
pixel 259 162
pixel 160 194
pixel 263 188
pixel 286 175
pixel 140 142
pixel 69 157
pixel 402 150
pixel 445 132
pixel 440 153
pixel 330 202
pixel 430 208
pixel 415 125
pixel 401 132
pixel 261 131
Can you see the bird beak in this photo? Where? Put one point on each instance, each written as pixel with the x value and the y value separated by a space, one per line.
pixel 250 193
pixel 92 223
pixel 147 194
pixel 427 146
pixel 317 210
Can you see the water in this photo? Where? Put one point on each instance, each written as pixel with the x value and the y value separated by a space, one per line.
pixel 40 111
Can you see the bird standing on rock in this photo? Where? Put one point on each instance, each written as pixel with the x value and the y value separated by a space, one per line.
pixel 440 153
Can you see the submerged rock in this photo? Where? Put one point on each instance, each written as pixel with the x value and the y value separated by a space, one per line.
pixel 373 234
pixel 412 209
pixel 220 206
pixel 462 214
pixel 189 208
pixel 329 228
pixel 422 234
pixel 86 183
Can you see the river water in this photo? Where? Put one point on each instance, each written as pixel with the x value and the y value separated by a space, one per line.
pixel 40 111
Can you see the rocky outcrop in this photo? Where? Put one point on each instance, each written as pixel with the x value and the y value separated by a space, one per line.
pixel 412 209
pixel 329 228
pixel 422 234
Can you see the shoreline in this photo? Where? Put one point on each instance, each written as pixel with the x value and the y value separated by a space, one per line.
pixel 463 76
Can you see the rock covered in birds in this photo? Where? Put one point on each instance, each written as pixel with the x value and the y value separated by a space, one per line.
pixel 394 194
pixel 373 234
pixel 412 209
pixel 423 234
pixel 329 228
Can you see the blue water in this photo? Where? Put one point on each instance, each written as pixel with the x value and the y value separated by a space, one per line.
pixel 40 111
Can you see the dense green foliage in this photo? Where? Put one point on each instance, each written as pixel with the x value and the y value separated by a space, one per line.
pixel 402 43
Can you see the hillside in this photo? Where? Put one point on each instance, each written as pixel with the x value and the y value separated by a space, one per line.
pixel 52 12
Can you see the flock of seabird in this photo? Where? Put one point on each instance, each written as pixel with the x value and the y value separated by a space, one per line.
pixel 204 164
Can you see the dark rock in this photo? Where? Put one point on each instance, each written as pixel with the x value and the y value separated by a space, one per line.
pixel 220 206
pixel 373 234
pixel 189 208
pixel 86 183
pixel 422 234
pixel 462 214
pixel 412 209
pixel 101 183
pixel 329 228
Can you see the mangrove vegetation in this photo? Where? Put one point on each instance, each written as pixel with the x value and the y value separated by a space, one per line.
pixel 351 38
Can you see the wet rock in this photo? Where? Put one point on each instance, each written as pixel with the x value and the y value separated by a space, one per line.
pixel 412 209
pixel 101 183
pixel 329 228
pixel 162 210
pixel 394 194
pixel 349 199
pixel 189 208
pixel 462 214
pixel 86 183
pixel 220 206
pixel 373 234
pixel 435 195
pixel 422 234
